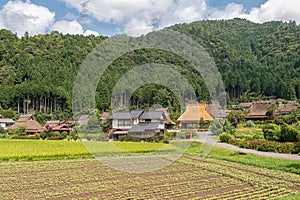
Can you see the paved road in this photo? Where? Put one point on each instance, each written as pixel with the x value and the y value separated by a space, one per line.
pixel 207 137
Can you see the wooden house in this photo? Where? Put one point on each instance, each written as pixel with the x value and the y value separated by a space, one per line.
pixel 138 123
pixel 151 123
pixel 60 126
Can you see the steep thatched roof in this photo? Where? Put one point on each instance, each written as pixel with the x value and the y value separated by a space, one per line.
pixel 194 112
pixel 258 110
pixel 29 123
pixel 290 107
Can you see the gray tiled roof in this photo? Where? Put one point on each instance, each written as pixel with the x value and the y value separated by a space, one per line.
pixel 135 114
pixel 151 115
pixel 6 120
pixel 121 115
pixel 141 127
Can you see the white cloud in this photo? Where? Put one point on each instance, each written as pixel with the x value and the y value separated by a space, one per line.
pixel 284 10
pixel 137 17
pixel 65 27
pixel 137 27
pixel 71 27
pixel 90 32
pixel 184 11
pixel 118 11
pixel 142 16
pixel 20 17
pixel 231 11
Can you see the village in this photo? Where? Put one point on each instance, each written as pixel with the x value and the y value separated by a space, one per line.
pixel 142 123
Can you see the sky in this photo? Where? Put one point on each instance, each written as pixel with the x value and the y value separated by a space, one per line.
pixel 133 17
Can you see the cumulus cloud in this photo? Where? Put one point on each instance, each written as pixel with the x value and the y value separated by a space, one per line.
pixel 65 27
pixel 231 11
pixel 20 17
pixel 271 10
pixel 279 10
pixel 136 27
pixel 90 32
pixel 136 17
pixel 184 11
pixel 71 27
pixel 142 16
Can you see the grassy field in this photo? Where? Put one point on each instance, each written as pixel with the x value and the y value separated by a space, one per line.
pixel 43 149
pixel 249 133
pixel 47 149
pixel 39 149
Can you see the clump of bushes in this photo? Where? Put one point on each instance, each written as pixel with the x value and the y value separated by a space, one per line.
pixel 225 137
pixel 283 133
pixel 268 146
pixel 36 136
pixel 129 138
pixel 250 124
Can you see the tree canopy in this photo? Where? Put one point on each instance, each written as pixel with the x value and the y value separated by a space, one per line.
pixel 37 73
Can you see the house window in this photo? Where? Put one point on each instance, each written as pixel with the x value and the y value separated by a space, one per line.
pixel 123 122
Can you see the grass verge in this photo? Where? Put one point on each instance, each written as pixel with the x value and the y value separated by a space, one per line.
pixel 296 196
pixel 286 165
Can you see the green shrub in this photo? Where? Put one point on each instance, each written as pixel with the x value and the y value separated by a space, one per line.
pixel 250 124
pixel 216 126
pixel 296 149
pixel 270 146
pixel 27 137
pixel 165 140
pixel 234 141
pixel 288 134
pixel 129 138
pixel 2 130
pixel 225 137
pixel 271 132
pixel 170 135
pixel 9 114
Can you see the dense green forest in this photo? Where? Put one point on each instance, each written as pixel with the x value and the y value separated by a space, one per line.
pixel 38 72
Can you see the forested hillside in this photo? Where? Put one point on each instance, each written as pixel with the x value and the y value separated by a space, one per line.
pixel 260 58
pixel 37 73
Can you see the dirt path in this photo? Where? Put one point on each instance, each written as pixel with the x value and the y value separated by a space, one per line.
pixel 207 137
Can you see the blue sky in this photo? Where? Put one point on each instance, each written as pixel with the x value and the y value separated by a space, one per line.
pixel 133 17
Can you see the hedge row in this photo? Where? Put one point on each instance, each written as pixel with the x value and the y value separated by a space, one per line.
pixel 268 146
pixel 129 138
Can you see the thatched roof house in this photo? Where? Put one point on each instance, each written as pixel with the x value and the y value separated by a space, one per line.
pixel 191 117
pixel 29 123
pixel 290 107
pixel 258 111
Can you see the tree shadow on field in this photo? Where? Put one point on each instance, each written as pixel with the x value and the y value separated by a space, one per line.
pixel 295 166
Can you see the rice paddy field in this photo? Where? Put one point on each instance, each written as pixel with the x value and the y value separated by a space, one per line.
pixel 86 177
